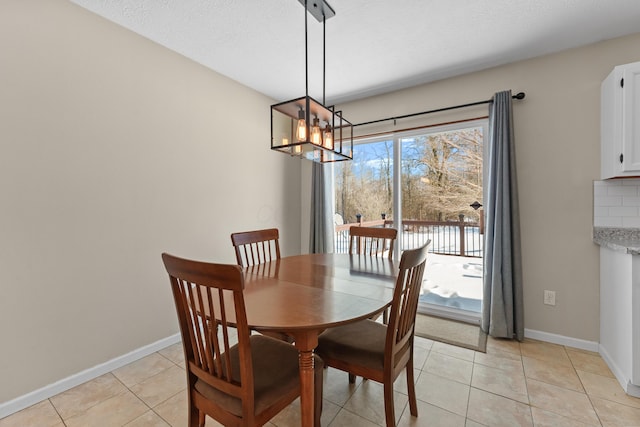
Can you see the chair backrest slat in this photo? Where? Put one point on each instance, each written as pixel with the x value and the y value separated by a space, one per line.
pixel 212 361
pixel 225 335
pixel 201 331
pixel 256 247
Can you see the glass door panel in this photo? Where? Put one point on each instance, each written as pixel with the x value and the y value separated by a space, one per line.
pixel 441 200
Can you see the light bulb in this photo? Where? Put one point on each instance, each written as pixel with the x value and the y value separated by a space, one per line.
pixel 316 135
pixel 328 137
pixel 301 132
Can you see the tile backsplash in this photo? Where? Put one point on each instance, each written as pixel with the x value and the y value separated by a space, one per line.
pixel 616 203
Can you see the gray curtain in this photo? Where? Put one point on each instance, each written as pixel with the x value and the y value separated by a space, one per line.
pixel 321 233
pixel 502 309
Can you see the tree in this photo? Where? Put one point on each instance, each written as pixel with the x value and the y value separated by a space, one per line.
pixel 364 185
pixel 441 177
pixel 448 165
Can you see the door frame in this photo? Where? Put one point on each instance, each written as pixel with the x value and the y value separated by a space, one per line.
pixel 427 308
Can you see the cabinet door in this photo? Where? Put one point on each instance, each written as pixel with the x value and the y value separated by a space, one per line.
pixel 631 117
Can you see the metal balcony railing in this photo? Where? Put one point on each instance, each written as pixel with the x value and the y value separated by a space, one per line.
pixel 461 238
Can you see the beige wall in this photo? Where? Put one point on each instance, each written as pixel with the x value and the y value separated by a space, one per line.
pixel 557 147
pixel 113 150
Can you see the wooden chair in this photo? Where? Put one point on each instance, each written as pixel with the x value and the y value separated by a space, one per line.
pixel 256 247
pixel 374 241
pixel 381 352
pixel 245 384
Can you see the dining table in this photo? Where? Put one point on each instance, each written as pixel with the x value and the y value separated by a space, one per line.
pixel 304 295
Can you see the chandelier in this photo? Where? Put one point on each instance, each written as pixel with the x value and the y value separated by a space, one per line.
pixel 304 127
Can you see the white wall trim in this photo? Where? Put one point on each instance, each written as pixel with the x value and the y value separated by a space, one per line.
pixel 562 340
pixel 632 389
pixel 36 396
pixel 627 386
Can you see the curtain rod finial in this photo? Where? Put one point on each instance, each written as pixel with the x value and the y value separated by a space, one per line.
pixel 519 95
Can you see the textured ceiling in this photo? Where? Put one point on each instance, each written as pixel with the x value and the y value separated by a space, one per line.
pixel 372 46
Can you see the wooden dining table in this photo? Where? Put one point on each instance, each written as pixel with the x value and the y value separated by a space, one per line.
pixel 305 294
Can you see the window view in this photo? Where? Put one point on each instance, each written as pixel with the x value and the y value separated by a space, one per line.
pixel 364 185
pixel 441 197
pixel 363 189
pixel 442 174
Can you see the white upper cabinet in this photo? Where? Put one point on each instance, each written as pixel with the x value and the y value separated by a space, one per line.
pixel 620 122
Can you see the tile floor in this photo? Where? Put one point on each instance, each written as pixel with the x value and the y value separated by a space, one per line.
pixel 514 384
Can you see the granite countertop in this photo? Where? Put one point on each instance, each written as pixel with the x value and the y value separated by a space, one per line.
pixel 625 240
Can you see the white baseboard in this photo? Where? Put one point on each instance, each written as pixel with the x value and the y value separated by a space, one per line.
pixel 36 396
pixel 627 386
pixel 615 369
pixel 632 390
pixel 562 340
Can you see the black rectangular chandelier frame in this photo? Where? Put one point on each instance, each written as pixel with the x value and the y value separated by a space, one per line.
pixel 304 127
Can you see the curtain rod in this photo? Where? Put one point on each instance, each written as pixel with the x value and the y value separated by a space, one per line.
pixel 370 135
pixel 519 95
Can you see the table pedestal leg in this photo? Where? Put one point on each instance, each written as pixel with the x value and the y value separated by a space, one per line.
pixel 307 388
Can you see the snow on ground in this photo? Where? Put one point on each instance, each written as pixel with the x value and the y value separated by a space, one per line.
pixel 446 275
pixel 453 281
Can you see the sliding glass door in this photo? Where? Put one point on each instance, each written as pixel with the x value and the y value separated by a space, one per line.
pixel 441 198
pixel 437 175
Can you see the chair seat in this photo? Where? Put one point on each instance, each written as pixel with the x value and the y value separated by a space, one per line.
pixel 361 343
pixel 275 370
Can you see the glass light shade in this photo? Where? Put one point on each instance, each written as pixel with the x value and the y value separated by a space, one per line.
pixel 301 132
pixel 327 137
pixel 316 135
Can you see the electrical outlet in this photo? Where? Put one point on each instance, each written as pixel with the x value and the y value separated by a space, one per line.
pixel 550 297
